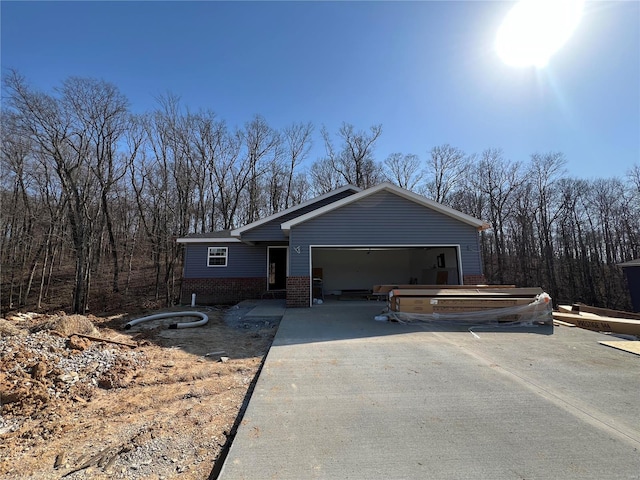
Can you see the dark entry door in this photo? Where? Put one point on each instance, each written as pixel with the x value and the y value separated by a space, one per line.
pixel 277 268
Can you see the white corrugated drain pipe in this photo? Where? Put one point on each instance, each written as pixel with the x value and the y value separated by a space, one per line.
pixel 198 323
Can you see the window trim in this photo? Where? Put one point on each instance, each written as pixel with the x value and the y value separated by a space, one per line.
pixel 219 249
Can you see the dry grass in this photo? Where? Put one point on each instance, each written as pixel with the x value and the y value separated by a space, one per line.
pixel 69 324
pixel 8 329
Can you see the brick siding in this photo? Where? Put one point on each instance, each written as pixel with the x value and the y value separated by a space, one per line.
pixel 222 291
pixel 474 280
pixel 298 293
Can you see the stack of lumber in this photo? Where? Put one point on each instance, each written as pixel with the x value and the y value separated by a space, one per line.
pixel 459 298
pixel 599 319
pixel 385 289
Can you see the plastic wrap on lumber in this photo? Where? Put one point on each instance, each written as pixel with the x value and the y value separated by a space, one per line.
pixel 537 312
pixel 467 292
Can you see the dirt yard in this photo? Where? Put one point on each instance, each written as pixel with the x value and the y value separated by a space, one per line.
pixel 160 404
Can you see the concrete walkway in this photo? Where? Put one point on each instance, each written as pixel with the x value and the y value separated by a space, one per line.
pixel 342 396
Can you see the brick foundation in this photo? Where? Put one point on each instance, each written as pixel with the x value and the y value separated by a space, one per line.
pixel 298 293
pixel 222 291
pixel 474 280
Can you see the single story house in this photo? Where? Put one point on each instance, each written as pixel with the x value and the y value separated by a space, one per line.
pixel 345 240
pixel 631 270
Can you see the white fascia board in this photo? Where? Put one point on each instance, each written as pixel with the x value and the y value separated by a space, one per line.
pixel 414 197
pixel 630 263
pixel 238 231
pixel 208 240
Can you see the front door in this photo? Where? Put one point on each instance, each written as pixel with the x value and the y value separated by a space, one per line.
pixel 277 268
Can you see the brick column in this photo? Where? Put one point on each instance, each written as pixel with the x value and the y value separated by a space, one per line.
pixel 474 280
pixel 298 293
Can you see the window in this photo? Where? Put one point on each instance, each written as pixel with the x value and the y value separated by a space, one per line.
pixel 217 257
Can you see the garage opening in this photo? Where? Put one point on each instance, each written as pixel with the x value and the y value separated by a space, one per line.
pixel 351 270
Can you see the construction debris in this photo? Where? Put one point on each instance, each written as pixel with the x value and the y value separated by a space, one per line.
pixel 78 400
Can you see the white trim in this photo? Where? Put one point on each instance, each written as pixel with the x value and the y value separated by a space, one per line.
pixel 460 274
pixel 238 231
pixel 630 263
pixel 208 240
pixel 435 245
pixel 226 257
pixel 287 263
pixel 414 197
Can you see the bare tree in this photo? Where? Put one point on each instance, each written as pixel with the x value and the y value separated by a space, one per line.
pixel 63 139
pixel 297 138
pixel 353 160
pixel 448 165
pixel 262 145
pixel 633 174
pixel 102 112
pixel 499 180
pixel 544 172
pixel 324 178
pixel 405 171
pixel 19 215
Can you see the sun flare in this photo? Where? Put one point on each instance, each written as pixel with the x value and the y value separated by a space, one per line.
pixel 534 30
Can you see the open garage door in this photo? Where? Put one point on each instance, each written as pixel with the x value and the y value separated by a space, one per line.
pixel 355 269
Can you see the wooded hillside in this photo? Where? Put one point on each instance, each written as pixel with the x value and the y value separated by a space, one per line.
pixel 93 197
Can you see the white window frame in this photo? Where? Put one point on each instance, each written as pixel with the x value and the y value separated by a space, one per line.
pixel 211 256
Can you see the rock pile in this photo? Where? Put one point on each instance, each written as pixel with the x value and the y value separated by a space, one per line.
pixel 38 368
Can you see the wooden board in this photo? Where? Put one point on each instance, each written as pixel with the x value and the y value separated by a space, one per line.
pixel 563 324
pixel 444 305
pixel 467 292
pixel 631 346
pixel 579 307
pixel 388 288
pixel 600 323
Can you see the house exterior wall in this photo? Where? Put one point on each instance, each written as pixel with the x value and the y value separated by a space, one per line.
pixel 243 261
pixel 271 231
pixel 244 277
pixel 221 291
pixel 383 219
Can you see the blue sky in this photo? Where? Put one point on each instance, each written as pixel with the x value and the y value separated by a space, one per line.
pixel 426 71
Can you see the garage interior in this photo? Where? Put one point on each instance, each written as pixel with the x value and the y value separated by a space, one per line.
pixel 338 271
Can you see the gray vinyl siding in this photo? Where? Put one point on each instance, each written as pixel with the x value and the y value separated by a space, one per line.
pixel 384 219
pixel 271 231
pixel 242 261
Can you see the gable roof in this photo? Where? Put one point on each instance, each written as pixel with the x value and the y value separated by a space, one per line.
pixel 389 187
pixel 239 231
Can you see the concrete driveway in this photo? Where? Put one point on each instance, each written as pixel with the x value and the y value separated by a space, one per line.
pixel 342 396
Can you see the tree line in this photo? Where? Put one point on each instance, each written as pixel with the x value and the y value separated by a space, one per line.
pixel 92 193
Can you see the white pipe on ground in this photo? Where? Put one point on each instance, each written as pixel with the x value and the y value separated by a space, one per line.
pixel 198 323
pixel 193 300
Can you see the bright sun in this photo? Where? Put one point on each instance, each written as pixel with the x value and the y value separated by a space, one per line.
pixel 534 30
